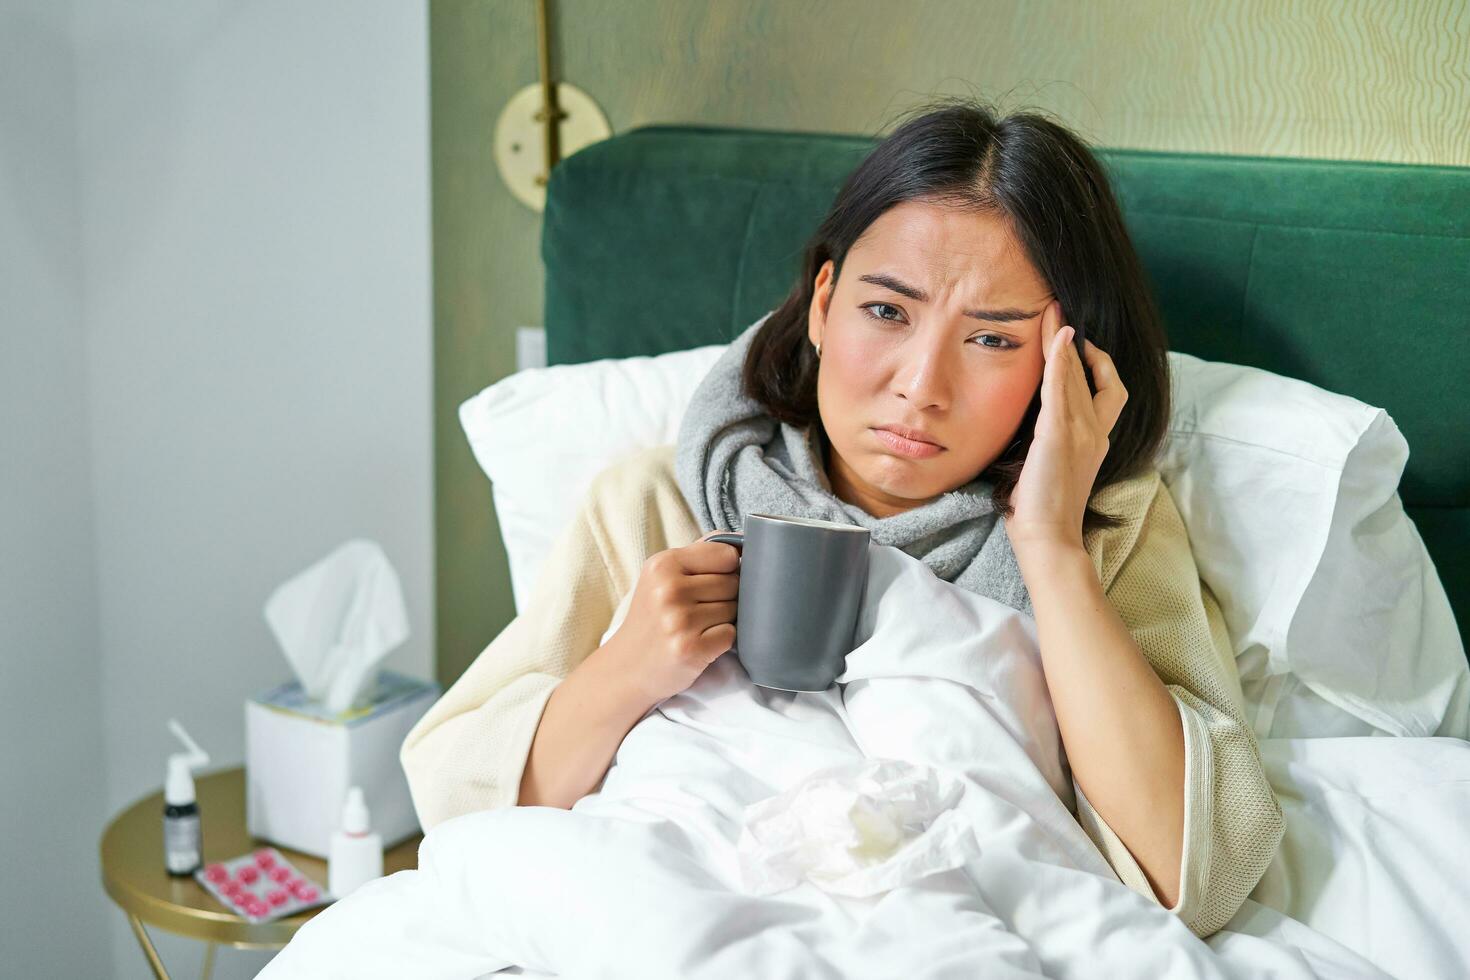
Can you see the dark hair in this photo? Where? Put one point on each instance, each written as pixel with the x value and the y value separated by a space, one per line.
pixel 1060 205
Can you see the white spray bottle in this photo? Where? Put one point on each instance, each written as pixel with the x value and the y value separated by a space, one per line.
pixel 356 853
pixel 183 838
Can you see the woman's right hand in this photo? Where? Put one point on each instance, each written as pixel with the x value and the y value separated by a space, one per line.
pixel 681 617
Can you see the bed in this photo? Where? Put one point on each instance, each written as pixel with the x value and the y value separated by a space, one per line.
pixel 1350 276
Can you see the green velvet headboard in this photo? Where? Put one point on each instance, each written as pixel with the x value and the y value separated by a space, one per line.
pixel 1352 276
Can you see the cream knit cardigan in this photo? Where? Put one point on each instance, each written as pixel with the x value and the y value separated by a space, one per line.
pixel 469 751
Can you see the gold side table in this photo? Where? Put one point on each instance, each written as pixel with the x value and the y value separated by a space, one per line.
pixel 133 874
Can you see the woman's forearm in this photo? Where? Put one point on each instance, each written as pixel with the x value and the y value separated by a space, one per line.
pixel 585 720
pixel 1119 724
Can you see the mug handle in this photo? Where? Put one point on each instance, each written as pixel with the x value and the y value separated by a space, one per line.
pixel 729 537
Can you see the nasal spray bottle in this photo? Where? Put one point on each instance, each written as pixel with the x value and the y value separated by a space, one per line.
pixel 183 840
pixel 356 855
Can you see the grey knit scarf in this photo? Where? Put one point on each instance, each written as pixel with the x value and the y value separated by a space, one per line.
pixel 732 459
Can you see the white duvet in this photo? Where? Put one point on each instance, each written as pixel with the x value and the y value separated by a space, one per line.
pixel 643 878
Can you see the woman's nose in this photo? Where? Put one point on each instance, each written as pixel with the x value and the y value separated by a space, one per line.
pixel 921 377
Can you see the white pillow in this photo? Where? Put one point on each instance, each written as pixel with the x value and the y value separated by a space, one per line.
pixel 1290 496
pixel 1288 491
pixel 542 434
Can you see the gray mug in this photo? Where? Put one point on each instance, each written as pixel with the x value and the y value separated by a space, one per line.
pixel 801 586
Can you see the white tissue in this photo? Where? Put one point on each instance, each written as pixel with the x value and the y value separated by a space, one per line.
pixel 857 829
pixel 337 620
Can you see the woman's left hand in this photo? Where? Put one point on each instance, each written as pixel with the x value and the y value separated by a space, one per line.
pixel 1071 439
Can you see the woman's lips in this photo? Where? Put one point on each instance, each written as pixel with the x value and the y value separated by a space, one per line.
pixel 912 448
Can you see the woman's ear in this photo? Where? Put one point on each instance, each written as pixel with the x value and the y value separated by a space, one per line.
pixel 816 320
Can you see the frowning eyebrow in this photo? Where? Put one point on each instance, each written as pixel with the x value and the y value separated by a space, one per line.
pixel 1008 315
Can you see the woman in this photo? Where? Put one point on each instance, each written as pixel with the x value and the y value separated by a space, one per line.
pixel 922 380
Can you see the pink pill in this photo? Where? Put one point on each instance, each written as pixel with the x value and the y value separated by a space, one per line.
pixel 265 858
pixel 257 907
pixel 241 900
pixel 305 892
pixel 216 873
pixel 230 888
pixel 280 874
pixel 248 874
pixel 277 897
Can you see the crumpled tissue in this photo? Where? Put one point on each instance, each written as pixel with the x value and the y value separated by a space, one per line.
pixel 337 620
pixel 857 829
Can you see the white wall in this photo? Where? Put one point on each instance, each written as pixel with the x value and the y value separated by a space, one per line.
pixel 52 913
pixel 240 331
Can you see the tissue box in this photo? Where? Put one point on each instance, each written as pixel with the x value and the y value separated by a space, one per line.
pixel 300 759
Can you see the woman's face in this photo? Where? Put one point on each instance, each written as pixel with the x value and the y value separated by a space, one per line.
pixel 932 332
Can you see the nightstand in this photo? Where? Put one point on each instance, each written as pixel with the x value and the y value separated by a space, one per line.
pixel 133 874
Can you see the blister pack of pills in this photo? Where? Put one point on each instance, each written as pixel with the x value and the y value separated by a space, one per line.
pixel 261 886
